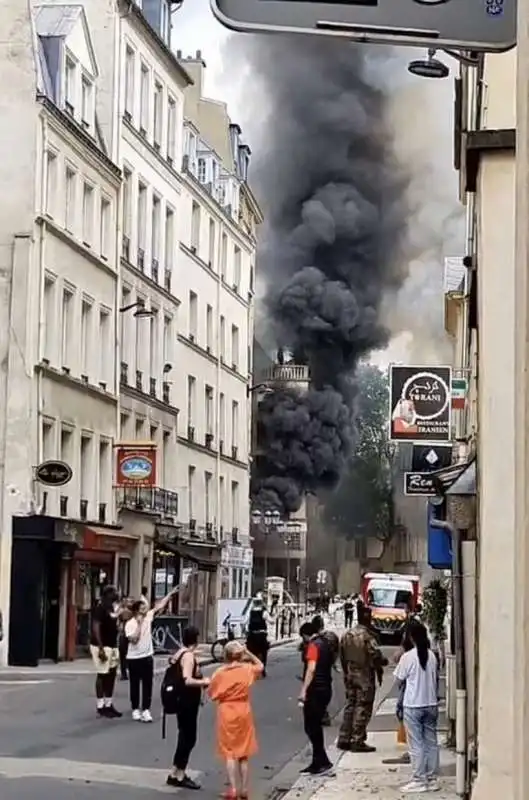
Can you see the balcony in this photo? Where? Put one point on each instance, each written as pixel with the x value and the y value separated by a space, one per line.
pixel 167 279
pixel 166 392
pixel 125 248
pixel 139 380
pixel 141 259
pixel 152 387
pixel 286 373
pixel 124 373
pixel 155 500
pixel 155 270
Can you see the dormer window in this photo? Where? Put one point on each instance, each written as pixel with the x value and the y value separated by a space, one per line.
pixel 87 103
pixel 70 76
pixel 201 170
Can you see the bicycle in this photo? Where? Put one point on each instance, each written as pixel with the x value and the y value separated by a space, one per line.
pixel 217 648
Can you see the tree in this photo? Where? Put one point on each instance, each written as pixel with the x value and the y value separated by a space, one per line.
pixel 362 504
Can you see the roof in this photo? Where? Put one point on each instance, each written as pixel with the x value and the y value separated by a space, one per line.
pixel 58 21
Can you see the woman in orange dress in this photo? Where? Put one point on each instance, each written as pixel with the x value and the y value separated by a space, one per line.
pixel 236 741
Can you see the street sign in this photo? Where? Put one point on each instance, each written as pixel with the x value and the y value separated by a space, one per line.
pixel 420 403
pixel 419 484
pixel 477 25
pixel 53 473
pixel 431 457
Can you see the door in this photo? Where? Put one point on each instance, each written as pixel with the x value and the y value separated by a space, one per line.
pixel 28 568
pixel 52 603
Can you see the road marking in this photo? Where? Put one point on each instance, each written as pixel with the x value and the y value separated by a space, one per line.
pixel 87 772
pixel 24 683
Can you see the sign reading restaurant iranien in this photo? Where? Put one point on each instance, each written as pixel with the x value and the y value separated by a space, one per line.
pixel 420 403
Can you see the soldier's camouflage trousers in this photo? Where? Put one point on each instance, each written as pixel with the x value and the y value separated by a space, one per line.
pixel 360 698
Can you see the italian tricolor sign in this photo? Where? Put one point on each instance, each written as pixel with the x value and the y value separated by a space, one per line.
pixel 459 393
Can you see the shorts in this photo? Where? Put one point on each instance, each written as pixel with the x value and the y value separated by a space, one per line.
pixel 112 661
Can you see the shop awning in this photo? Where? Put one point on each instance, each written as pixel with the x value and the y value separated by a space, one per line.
pixel 206 555
pixel 466 482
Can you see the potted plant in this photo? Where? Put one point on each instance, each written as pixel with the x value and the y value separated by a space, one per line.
pixel 434 608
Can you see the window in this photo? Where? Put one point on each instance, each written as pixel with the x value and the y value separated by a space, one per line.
pixel 208 479
pixel 234 423
pixel 209 328
pixel 222 417
pixel 234 504
pixel 171 129
pixel 70 74
pixel 66 453
pixel 224 257
pixel 223 339
pixel 156 220
pixel 236 268
pixel 86 336
pixel 169 238
pixel 234 346
pixel 50 203
pixel 130 68
pixel 222 503
pixel 123 580
pixel 195 227
pixel 105 345
pixel 166 459
pixel 50 318
pixel 139 337
pixel 87 108
pixel 167 340
pixel 190 490
pixel 139 428
pixel 211 243
pixel 153 343
pixel 71 184
pixel 104 227
pixel 142 216
pixel 67 337
pixel 191 399
pixel 48 440
pixel 193 316
pixel 144 98
pixel 208 401
pixel 127 206
pixel 158 114
pixel 86 472
pixel 201 170
pixel 105 477
pixel 88 213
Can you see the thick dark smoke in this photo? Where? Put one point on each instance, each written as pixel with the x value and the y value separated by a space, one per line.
pixel 334 200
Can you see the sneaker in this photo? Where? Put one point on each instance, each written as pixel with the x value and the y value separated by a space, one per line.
pixel 102 712
pixel 136 715
pixel 414 787
pixel 113 713
pixel 363 748
pixel 325 769
pixel 146 716
pixel 184 783
pixel 433 785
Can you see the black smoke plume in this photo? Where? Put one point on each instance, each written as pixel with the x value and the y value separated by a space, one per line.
pixel 334 200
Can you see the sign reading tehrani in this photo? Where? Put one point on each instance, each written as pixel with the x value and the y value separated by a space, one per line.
pixel 472 25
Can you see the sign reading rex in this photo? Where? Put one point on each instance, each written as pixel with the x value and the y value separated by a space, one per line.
pixel 419 483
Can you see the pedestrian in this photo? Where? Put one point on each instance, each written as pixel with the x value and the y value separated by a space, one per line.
pixel 189 700
pixel 348 609
pixel 405 646
pixel 140 656
pixel 418 668
pixel 236 740
pixel 315 696
pixel 257 634
pixel 362 663
pixel 305 632
pixel 124 614
pixel 105 653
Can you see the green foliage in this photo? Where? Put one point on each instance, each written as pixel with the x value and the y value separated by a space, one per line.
pixel 362 503
pixel 435 604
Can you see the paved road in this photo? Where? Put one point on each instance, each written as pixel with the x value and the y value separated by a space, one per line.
pixel 53 747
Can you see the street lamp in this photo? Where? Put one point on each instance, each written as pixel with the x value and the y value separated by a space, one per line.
pixel 141 311
pixel 266 521
pixel 431 67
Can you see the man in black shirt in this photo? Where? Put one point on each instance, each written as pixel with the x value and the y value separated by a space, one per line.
pixel 105 653
pixel 348 610
pixel 316 695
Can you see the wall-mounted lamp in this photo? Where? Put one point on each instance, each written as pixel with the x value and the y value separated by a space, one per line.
pixel 141 311
pixel 167 368
pixel 431 67
pixel 266 389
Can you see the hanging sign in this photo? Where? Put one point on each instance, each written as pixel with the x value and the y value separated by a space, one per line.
pixel 136 465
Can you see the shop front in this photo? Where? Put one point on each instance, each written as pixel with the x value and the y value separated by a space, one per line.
pixel 101 559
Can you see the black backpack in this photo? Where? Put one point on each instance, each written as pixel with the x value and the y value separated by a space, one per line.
pixel 171 691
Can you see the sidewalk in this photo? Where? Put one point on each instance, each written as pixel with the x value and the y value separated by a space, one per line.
pixel 360 776
pixel 83 666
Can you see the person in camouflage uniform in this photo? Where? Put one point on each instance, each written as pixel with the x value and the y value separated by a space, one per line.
pixel 362 663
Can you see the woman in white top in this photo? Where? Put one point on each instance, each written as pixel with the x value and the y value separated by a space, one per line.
pixel 418 670
pixel 140 656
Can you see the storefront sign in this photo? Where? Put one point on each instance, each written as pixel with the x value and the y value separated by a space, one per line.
pixel 93 540
pixel 419 484
pixel 237 557
pixel 420 404
pixel 53 473
pixel 136 466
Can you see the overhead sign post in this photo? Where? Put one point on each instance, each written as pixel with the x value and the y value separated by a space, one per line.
pixel 472 25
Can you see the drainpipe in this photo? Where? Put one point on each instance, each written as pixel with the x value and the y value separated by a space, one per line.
pixel 459 642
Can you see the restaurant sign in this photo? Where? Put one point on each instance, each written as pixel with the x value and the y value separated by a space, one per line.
pixel 136 465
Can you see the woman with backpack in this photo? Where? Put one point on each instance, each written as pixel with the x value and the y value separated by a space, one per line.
pixel 418 669
pixel 187 683
pixel 236 741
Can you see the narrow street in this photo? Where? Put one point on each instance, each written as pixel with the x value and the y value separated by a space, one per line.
pixel 53 747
